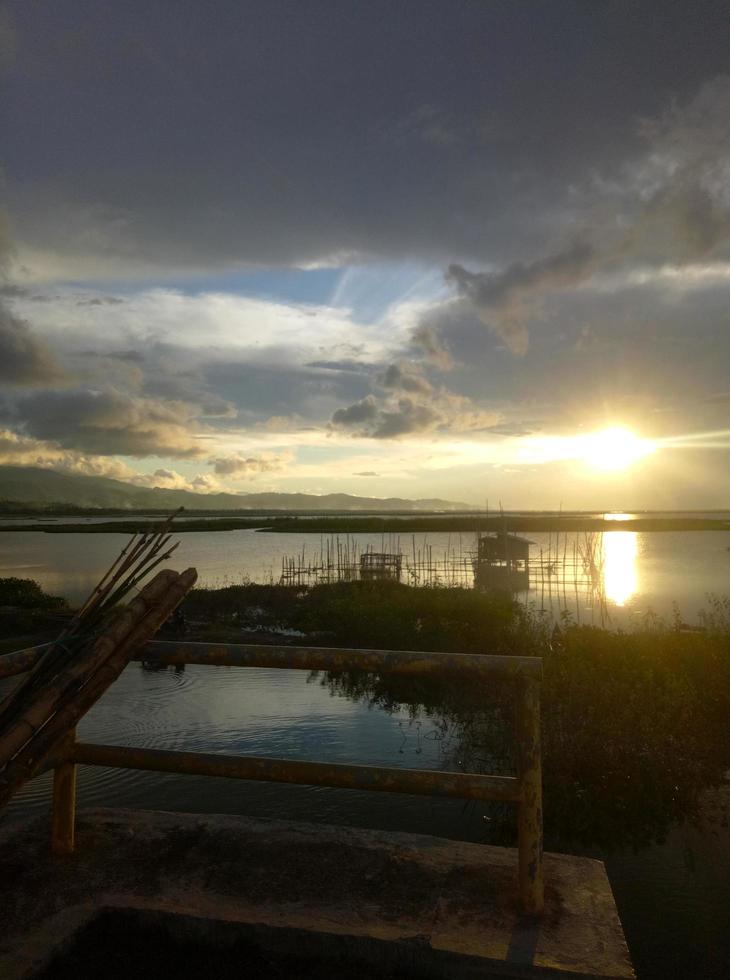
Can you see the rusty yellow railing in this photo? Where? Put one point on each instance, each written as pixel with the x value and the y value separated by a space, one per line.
pixel 524 789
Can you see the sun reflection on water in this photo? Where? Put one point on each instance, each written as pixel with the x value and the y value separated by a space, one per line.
pixel 620 576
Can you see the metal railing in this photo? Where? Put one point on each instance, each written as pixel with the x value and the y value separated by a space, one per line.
pixel 524 789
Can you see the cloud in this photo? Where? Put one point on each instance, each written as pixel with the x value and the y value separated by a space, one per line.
pixel 166 474
pixel 247 466
pixel 213 407
pixel 398 416
pixel 233 354
pixel 172 480
pixel 503 299
pixel 211 341
pixel 405 377
pixel 133 356
pixel 406 418
pixel 108 422
pixel 345 364
pixel 205 483
pixel 18 450
pixel 100 301
pixel 24 359
pixel 366 410
pixel 367 418
pixel 460 164
pixel 13 291
pixel 670 203
pixel 427 338
pixel 8 40
pixel 682 180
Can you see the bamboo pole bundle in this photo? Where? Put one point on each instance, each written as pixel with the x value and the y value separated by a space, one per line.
pixel 40 701
pixel 130 629
pixel 142 554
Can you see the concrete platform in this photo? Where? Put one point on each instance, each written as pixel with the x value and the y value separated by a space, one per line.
pixel 401 904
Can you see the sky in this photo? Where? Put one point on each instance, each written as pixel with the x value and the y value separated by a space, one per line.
pixel 413 248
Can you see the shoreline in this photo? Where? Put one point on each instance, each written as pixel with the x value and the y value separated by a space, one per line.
pixel 378 525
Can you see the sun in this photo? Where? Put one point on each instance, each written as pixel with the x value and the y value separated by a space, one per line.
pixel 612 449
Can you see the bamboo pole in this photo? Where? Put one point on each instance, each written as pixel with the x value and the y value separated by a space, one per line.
pixel 63 828
pixel 332 658
pixel 29 761
pixel 41 701
pixel 403 662
pixel 136 560
pixel 427 782
pixel 21 661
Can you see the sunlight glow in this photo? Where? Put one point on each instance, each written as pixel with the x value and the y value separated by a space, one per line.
pixel 612 449
pixel 620 578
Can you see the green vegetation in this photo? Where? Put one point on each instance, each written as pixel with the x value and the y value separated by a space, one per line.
pixel 635 729
pixel 25 609
pixel 634 724
pixel 362 614
pixel 24 593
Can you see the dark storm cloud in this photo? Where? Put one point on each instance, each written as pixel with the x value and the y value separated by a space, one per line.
pixel 363 411
pixel 261 390
pixel 245 465
pixel 485 137
pixel 501 298
pixel 282 133
pixel 107 422
pixel 24 359
pixel 426 337
pixel 368 419
pixel 8 39
pixel 405 377
pixel 644 349
pixel 408 417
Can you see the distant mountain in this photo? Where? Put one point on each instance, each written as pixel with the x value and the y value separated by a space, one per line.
pixel 31 486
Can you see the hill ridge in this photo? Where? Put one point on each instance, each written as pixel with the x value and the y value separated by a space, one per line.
pixel 37 486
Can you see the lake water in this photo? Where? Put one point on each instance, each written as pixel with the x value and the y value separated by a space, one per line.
pixel 673 898
pixel 628 575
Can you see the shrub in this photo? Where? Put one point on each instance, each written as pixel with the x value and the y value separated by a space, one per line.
pixel 24 593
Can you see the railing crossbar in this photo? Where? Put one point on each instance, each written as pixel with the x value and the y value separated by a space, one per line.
pixel 471 786
pixel 525 789
pixel 309 658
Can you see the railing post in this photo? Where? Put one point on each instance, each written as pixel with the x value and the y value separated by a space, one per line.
pixel 529 814
pixel 64 800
